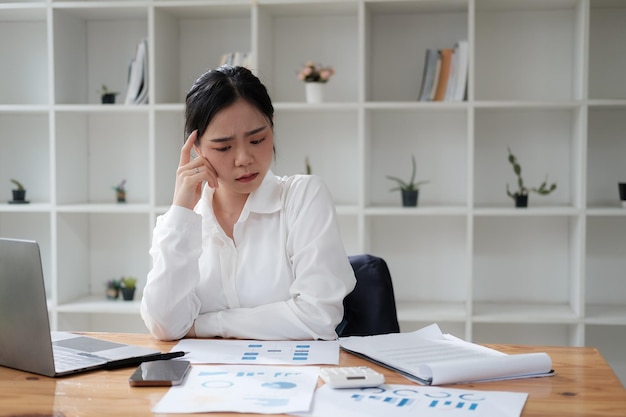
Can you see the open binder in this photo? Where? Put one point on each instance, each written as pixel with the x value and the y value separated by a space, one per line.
pixel 429 357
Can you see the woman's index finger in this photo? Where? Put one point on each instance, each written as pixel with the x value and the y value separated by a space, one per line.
pixel 185 152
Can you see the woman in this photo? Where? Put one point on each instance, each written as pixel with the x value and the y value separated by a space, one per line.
pixel 243 253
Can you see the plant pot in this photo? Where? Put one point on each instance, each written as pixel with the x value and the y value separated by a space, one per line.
pixel 314 92
pixel 108 98
pixel 521 201
pixel 128 294
pixel 19 195
pixel 622 193
pixel 112 293
pixel 409 198
pixel 121 196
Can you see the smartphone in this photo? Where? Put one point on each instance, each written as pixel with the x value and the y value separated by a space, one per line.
pixel 164 373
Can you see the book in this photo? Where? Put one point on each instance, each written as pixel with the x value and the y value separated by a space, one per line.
pixel 461 71
pixel 429 357
pixel 433 89
pixel 428 76
pixel 452 77
pixel 137 86
pixel 444 73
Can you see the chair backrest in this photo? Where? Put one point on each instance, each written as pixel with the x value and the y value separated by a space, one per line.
pixel 371 307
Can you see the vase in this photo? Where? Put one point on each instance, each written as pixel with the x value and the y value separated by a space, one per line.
pixel 314 92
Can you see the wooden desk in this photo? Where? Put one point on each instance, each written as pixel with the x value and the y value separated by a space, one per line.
pixel 584 385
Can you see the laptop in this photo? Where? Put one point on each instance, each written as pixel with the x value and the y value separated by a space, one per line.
pixel 26 342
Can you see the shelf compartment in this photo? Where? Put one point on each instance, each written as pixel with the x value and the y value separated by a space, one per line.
pixel 606 148
pixel 545 142
pixel 24 75
pixel 329 139
pixel 427 257
pixel 191 38
pixel 94 248
pixel 437 139
pixel 518 43
pixel 526 260
pixel 25 155
pixel 327 35
pixel 605 264
pixel 606 67
pixel 94 45
pixel 96 151
pixel 398 36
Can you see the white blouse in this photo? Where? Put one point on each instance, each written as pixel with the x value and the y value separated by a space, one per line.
pixel 284 276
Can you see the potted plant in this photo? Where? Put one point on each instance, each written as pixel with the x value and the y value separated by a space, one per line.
pixel 107 96
pixel 314 77
pixel 19 193
pixel 112 289
pixel 120 191
pixel 521 195
pixel 128 285
pixel 410 189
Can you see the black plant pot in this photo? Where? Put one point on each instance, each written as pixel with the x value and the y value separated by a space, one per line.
pixel 622 192
pixel 128 293
pixel 521 201
pixel 19 195
pixel 108 98
pixel 409 198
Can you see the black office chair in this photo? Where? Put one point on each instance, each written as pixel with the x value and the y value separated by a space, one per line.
pixel 371 307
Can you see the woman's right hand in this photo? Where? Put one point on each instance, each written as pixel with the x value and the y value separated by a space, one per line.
pixel 191 174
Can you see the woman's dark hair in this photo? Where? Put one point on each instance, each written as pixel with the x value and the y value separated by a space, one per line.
pixel 217 89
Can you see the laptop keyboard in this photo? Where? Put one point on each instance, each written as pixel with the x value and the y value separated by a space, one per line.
pixel 67 359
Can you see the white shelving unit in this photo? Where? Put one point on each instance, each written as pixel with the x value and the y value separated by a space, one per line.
pixel 545 79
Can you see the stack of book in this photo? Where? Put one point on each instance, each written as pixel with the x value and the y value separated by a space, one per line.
pixel 445 74
pixel 137 87
pixel 243 59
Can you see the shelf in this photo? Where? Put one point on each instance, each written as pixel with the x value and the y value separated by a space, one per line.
pixel 523 313
pixel 544 80
pixel 429 311
pixel 98 304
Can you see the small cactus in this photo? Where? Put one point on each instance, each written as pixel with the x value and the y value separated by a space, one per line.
pixel 17 184
pixel 521 188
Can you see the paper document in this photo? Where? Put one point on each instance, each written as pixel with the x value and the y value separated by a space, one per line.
pixel 260 352
pixel 242 389
pixel 430 357
pixel 410 401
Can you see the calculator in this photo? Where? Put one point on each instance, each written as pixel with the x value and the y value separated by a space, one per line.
pixel 351 377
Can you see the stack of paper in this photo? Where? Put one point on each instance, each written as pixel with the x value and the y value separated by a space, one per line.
pixel 429 357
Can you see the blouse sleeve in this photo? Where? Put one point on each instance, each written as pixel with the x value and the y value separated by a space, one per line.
pixel 169 304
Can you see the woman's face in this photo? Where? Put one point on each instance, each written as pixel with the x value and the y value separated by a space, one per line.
pixel 239 143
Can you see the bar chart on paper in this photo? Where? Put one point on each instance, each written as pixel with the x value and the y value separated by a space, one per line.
pixel 296 353
pixel 410 400
pixel 281 352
